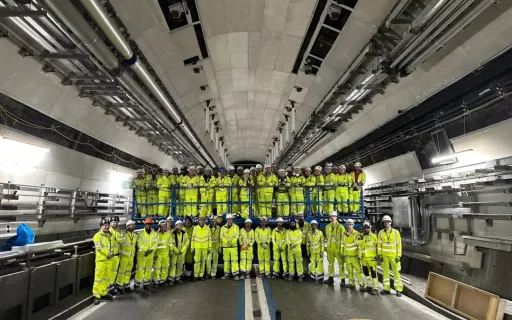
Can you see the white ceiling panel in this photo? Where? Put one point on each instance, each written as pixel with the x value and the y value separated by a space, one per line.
pixel 225 81
pixel 255 18
pixel 236 12
pixel 241 99
pixel 185 40
pixel 273 16
pixel 289 49
pixel 273 101
pixel 238 49
pixel 240 79
pixel 279 81
pixel 263 79
pixel 270 46
pixel 298 17
pixel 138 16
pixel 212 16
pixel 219 51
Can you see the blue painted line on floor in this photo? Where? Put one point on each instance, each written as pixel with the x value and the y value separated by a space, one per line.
pixel 240 304
pixel 272 306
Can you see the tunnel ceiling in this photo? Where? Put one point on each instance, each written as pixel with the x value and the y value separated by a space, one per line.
pixel 250 56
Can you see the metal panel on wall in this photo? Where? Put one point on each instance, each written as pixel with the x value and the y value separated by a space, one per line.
pixel 402 212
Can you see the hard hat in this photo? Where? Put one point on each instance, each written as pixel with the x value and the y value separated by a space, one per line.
pixel 174 168
pixel 333 214
pixel 279 220
pixel 229 216
pixel 267 165
pixel 248 221
pixel 343 166
pixel 335 167
pixel 231 168
pixel 222 169
pixel 289 169
pixel 292 221
pixel 350 221
pixel 179 222
pixel 281 171
pixel 165 170
pixel 170 218
pixel 318 168
pixel 148 221
pixel 314 222
pixel 258 166
pixel 207 169
pixel 300 214
pixel 263 218
pixel 386 218
pixel 252 169
pixel 191 168
pixel 307 169
pixel 357 164
pixel 247 171
pixel 200 167
pixel 367 224
pixel 104 221
pixel 297 168
pixel 115 218
pixel 240 168
pixel 130 222
pixel 161 223
pixel 328 165
pixel 139 171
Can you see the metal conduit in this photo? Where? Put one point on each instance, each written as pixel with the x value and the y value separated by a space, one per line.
pixel 108 26
pixel 70 16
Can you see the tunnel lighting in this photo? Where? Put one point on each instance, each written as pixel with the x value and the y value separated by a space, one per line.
pixel 16 153
pixel 370 77
pixel 452 156
pixel 119 174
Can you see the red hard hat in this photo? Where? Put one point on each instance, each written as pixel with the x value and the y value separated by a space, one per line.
pixel 148 221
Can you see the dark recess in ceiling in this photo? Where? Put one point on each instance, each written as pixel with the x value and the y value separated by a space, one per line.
pixel 469 94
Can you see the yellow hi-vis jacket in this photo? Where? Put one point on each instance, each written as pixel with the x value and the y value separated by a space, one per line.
pixel 361 179
pixel 279 238
pixel 190 185
pixel 330 181
pixel 235 180
pixel 117 236
pixel 180 241
pixel 294 239
pixel 349 243
pixel 207 186
pixel 229 236
pixel 263 236
pixel 139 184
pixel 215 234
pixel 306 228
pixel 315 242
pixel 164 239
pixel 245 187
pixel 267 182
pixel 164 184
pixel 333 234
pixel 297 183
pixel 201 237
pixel 147 241
pixel 344 180
pixel 368 246
pixel 103 244
pixel 389 243
pixel 128 245
pixel 247 237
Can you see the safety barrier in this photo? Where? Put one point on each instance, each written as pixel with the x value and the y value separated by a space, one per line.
pixel 252 202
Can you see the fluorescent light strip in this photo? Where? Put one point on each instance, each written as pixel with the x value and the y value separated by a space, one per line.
pixel 444 158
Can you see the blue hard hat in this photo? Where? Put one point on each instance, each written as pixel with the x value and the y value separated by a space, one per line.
pixel 222 169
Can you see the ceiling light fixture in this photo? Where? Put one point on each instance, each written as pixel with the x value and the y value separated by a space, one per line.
pixel 452 156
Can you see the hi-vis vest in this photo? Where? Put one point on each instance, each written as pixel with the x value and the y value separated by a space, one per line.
pixel 263 235
pixel 330 181
pixel 333 233
pixel 222 183
pixel 389 244
pixel 128 245
pixel 179 241
pixel 139 184
pixel 190 184
pixel 279 238
pixel 201 237
pixel 164 183
pixel 294 237
pixel 368 246
pixel 103 244
pixel 344 180
pixel 215 234
pixel 306 228
pixel 361 178
pixel 315 242
pixel 349 243
pixel 164 239
pixel 296 183
pixel 229 236
pixel 247 237
pixel 147 241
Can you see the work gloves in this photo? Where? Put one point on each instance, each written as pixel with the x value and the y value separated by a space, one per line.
pixel 110 255
pixel 397 259
pixel 264 245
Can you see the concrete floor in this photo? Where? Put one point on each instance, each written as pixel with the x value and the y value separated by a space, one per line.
pixel 227 300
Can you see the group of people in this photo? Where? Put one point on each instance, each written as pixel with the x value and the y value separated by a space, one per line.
pixel 297 253
pixel 205 191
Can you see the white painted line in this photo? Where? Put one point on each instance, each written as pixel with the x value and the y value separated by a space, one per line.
pixel 87 311
pixel 265 313
pixel 248 300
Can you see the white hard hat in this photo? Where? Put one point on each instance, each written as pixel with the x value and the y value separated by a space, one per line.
pixel 366 224
pixel 350 221
pixel 296 168
pixel 248 221
pixel 279 220
pixel 207 169
pixel 170 219
pixel 165 170
pixel 139 171
pixel 129 222
pixel 386 218
pixel 328 165
pixel 300 214
pixel 307 169
pixel 258 166
pixel 343 166
pixel 318 168
pixel 231 168
pixel 191 168
pixel 357 164
pixel 281 171
pixel 240 168
pixel 199 167
pixel 179 222
pixel 252 168
pixel 289 169
pixel 161 223
pixel 314 222
pixel 229 216
pixel 247 171
pixel 263 218
pixel 333 214
pixel 267 165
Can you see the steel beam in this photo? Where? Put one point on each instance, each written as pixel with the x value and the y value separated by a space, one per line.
pixel 65 56
pixel 87 78
pixel 6 13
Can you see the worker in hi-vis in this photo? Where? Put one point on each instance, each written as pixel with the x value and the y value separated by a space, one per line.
pixel 389 250
pixel 104 247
